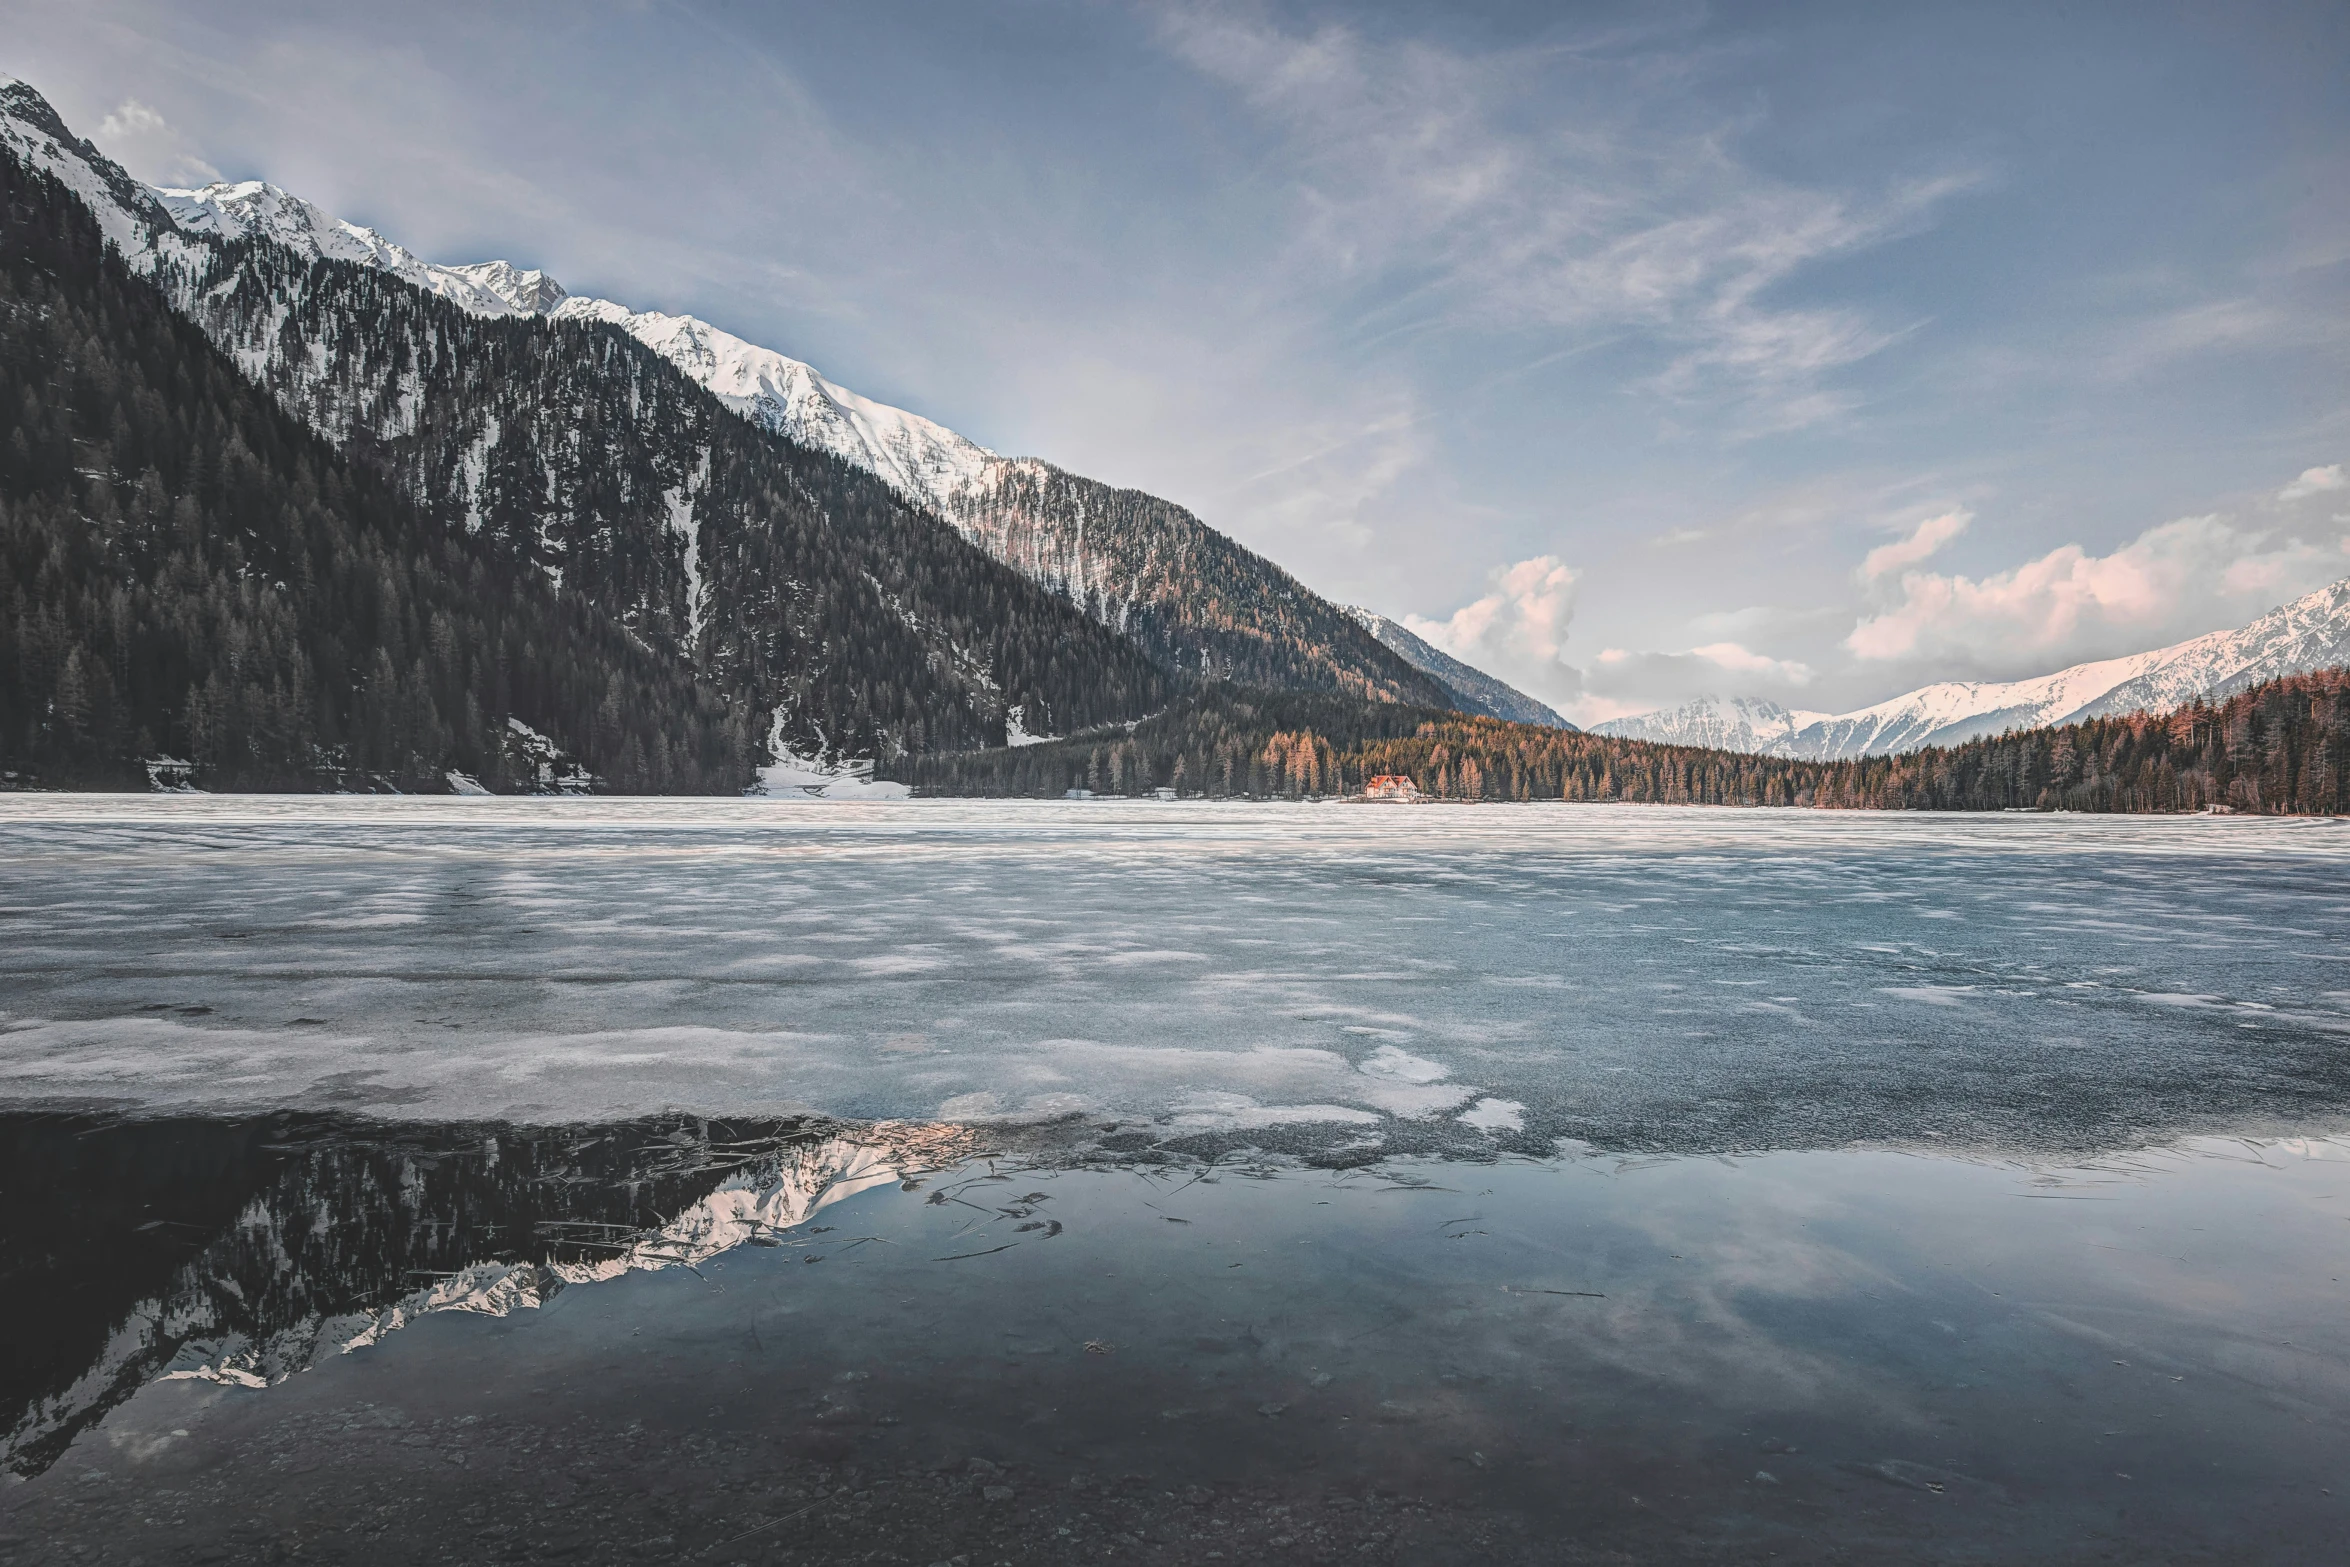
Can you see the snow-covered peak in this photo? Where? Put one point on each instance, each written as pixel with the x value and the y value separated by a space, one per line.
pixel 126 212
pixel 923 461
pixel 2312 632
pixel 926 462
pixel 526 293
pixel 242 208
pixel 1740 724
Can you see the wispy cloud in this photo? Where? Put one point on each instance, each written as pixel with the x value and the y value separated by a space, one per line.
pixel 1579 190
pixel 138 137
pixel 1924 541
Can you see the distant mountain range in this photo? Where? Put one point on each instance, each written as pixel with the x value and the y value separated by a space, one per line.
pixel 2310 633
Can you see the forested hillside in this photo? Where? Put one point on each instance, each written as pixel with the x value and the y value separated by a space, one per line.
pixel 798 585
pixel 1193 599
pixel 2281 747
pixel 791 579
pixel 185 569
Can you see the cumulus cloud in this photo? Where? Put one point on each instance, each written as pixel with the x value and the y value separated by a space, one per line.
pixel 1924 541
pixel 2315 481
pixel 2172 581
pixel 139 138
pixel 1572 188
pixel 1519 629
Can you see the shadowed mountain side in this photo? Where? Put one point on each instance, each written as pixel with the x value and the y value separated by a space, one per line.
pixel 838 617
pixel 1193 599
pixel 185 568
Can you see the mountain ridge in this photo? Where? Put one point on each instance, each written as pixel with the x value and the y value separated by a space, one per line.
pixel 834 617
pixel 1489 697
pixel 1196 600
pixel 2310 633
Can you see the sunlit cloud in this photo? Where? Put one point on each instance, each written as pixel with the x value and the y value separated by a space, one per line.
pixel 1518 630
pixel 2181 578
pixel 2315 481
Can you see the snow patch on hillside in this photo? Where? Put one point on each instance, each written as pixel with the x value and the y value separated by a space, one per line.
pixel 796 776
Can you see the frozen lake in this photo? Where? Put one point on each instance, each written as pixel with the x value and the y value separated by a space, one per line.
pixel 446 1179
pixel 1279 975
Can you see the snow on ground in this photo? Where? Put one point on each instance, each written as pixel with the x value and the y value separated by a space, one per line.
pixel 795 777
pixel 1621 975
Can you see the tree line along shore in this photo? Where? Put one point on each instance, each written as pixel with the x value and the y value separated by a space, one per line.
pixel 2282 747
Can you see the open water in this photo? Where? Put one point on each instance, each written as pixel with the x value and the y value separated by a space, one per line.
pixel 516 1180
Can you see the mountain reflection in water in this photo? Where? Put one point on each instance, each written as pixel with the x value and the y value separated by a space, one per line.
pixel 243 1251
pixel 1056 1351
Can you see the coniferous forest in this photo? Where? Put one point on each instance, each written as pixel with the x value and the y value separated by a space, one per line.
pixel 2282 747
pixel 188 571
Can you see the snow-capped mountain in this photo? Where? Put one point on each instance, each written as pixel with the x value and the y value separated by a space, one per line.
pixel 2312 632
pixel 925 462
pixel 1140 565
pixel 1479 692
pixel 1191 597
pixel 800 590
pixel 1740 724
pixel 249 207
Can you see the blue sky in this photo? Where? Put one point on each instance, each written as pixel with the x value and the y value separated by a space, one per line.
pixel 1805 351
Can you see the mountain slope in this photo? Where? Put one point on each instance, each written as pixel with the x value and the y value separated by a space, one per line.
pixel 1192 598
pixel 186 569
pixel 2311 633
pixel 1475 691
pixel 803 587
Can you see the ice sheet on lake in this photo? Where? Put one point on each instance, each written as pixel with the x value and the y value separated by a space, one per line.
pixel 1627 976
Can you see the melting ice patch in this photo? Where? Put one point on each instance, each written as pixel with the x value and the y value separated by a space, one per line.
pixel 1407 1085
pixel 1495 1115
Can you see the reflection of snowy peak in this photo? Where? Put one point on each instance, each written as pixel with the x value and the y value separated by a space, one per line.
pixel 327 1252
pixel 2312 632
pixel 1740 724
